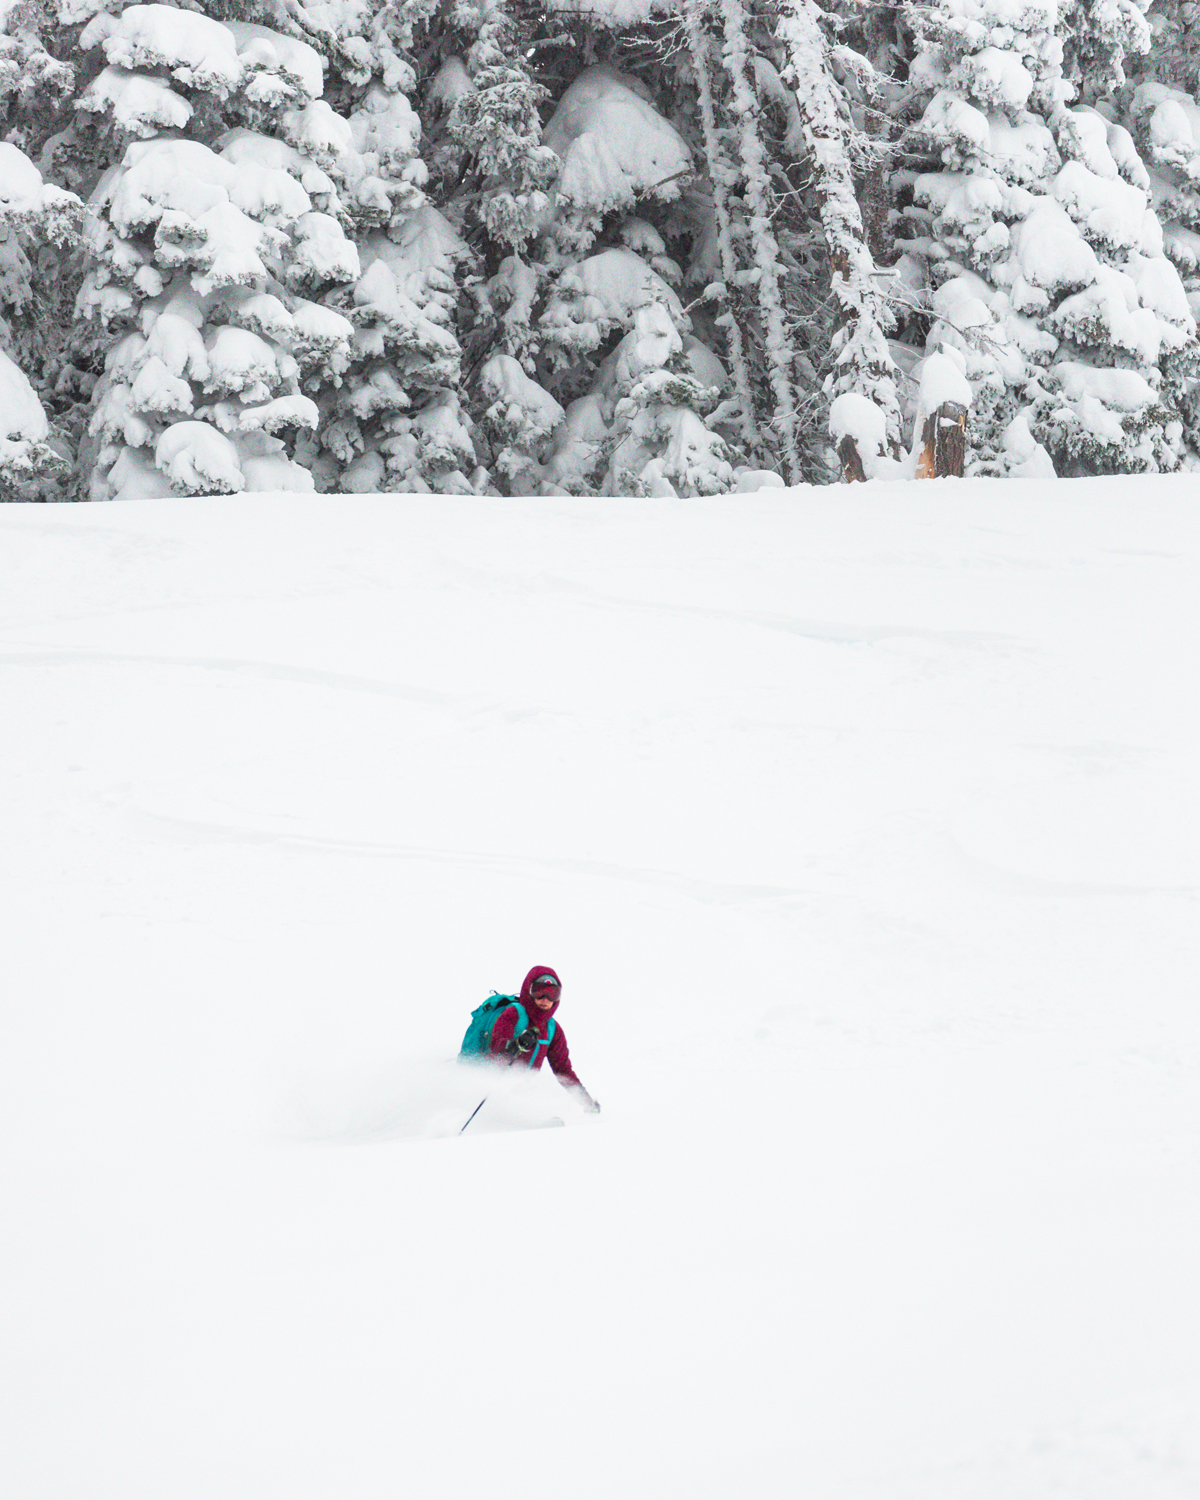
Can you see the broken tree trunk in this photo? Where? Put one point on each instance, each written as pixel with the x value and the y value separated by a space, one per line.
pixel 852 464
pixel 944 443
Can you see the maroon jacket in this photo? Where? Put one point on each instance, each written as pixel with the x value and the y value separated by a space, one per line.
pixel 506 1024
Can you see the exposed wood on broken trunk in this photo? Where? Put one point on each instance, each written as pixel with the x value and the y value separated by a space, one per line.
pixel 852 464
pixel 943 443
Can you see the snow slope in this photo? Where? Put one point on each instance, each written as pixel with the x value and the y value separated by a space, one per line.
pixel 864 827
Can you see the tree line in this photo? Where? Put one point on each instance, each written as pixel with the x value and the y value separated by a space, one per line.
pixel 596 247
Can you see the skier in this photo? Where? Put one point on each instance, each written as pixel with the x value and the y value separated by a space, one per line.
pixel 540 994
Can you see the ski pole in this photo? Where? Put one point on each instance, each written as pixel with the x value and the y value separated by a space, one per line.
pixel 475 1111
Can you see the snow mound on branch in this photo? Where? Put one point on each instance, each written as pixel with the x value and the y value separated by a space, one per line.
pixel 1016 144
pixel 197 459
pixel 1110 210
pixel 386 129
pixel 318 132
pixel 241 362
pixel 1125 390
pixel 504 382
pixel 1051 253
pixel 450 83
pixel 24 194
pixel 266 467
pixel 185 177
pixel 250 148
pixel 648 345
pixel 426 247
pixel 22 419
pixel 1022 151
pixel 321 252
pixel 1090 134
pixel 1026 458
pixel 271 53
pixel 193 48
pixel 998 77
pixel 614 145
pixel 1110 314
pixel 391 318
pixel 948 116
pixel 20 181
pixel 199 52
pixel 1171 120
pixel 1161 289
pixel 143 106
pixel 602 293
pixel 175 339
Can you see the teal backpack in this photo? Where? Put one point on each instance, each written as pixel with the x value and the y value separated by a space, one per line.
pixel 477 1044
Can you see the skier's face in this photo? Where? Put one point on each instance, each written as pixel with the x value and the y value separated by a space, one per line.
pixel 544 999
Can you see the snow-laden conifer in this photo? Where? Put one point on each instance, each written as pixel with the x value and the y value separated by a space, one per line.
pixel 391 415
pixel 623 160
pixel 1165 122
pixel 211 242
pixel 659 398
pixel 496 124
pixel 33 459
pixel 862 361
pixel 570 259
pixel 768 271
pixel 722 177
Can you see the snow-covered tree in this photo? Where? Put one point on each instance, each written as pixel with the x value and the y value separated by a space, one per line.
pixel 1043 256
pixel 210 243
pixel 495 123
pixel 823 132
pixel 33 460
pixel 1165 123
pixel 768 271
pixel 662 443
pixel 397 420
pixel 718 270
pixel 572 247
pixel 791 270
pixel 393 419
pixel 642 419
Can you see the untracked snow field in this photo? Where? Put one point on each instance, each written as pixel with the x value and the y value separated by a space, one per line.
pixel 864 828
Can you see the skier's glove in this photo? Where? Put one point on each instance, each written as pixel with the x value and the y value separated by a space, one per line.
pixel 525 1043
pixel 589 1104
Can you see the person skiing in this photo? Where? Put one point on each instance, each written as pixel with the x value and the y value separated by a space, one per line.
pixel 540 995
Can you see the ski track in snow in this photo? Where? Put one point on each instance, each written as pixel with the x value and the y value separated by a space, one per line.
pixel 865 830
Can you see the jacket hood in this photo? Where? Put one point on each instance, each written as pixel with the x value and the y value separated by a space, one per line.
pixel 527 991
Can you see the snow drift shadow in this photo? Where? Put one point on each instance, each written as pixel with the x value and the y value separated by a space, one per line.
pixel 423 1099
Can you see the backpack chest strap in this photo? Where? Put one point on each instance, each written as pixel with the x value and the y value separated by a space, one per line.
pixel 549 1038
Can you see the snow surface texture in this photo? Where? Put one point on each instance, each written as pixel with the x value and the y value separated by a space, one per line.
pixel 864 827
